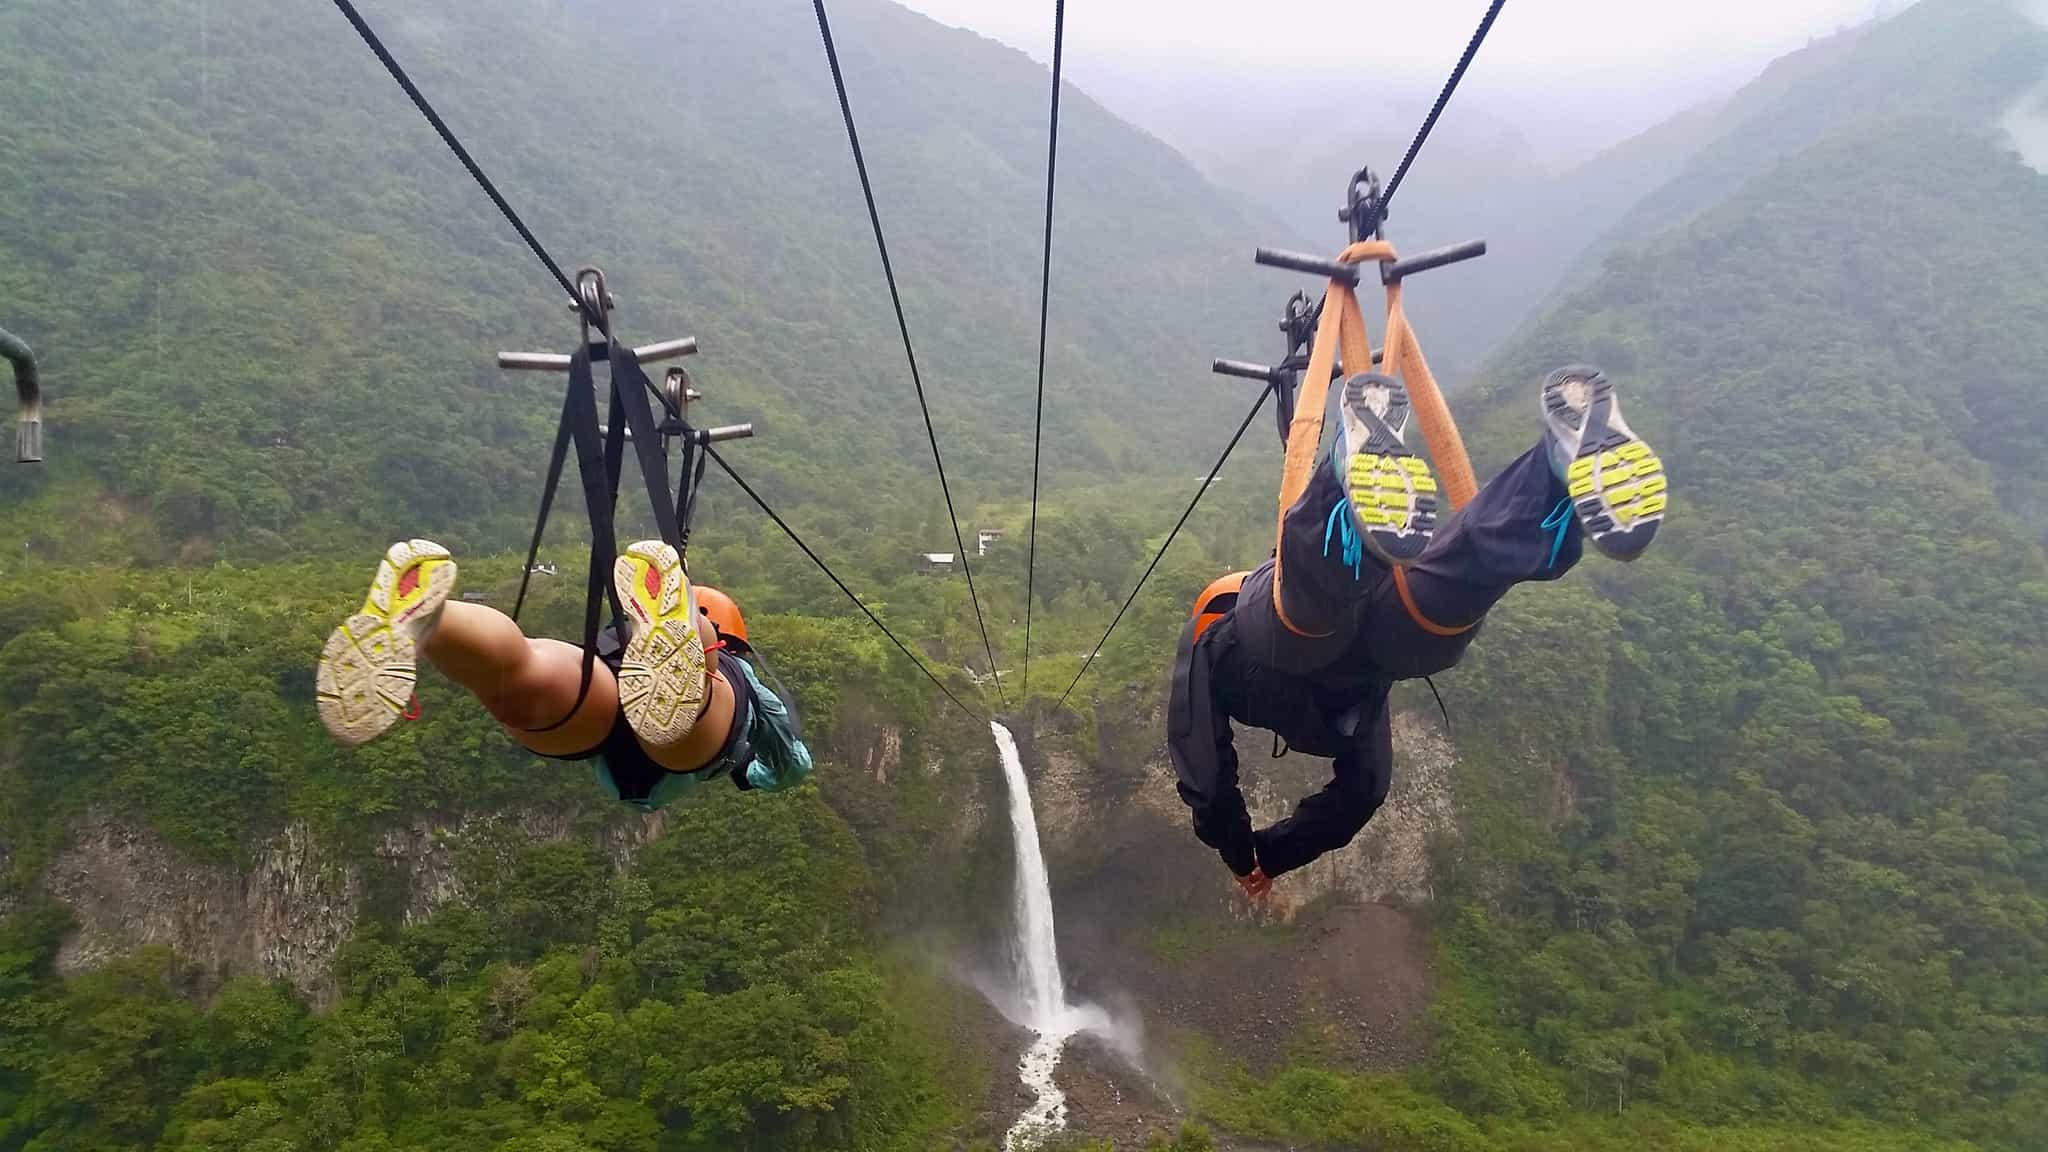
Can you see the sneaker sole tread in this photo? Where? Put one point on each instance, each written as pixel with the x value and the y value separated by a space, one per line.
pixel 1393 495
pixel 1615 481
pixel 661 672
pixel 370 664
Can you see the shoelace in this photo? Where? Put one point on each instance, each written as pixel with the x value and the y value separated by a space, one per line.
pixel 1353 549
pixel 1560 519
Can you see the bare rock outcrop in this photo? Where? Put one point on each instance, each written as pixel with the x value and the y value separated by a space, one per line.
pixel 283 918
pixel 287 914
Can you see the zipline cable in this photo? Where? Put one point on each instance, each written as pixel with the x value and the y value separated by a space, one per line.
pixel 867 190
pixel 1052 158
pixel 1442 98
pixel 1161 554
pixel 827 570
pixel 419 101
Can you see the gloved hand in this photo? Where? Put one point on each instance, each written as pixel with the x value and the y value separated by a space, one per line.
pixel 1255 884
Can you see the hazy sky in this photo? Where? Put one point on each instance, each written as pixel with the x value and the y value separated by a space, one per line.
pixel 1637 35
pixel 1575 74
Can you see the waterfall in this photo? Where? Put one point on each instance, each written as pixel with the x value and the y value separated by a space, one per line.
pixel 1040 993
pixel 1043 993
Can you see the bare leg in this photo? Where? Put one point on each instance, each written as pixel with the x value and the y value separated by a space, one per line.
pixel 526 684
pixel 368 669
pixel 532 684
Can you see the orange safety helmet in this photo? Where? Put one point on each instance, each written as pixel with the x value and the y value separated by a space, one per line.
pixel 732 627
pixel 1216 600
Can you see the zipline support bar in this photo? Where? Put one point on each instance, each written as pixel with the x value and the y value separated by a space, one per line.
pixel 717 435
pixel 1247 370
pixel 28 389
pixel 555 362
pixel 1348 273
pixel 1298 323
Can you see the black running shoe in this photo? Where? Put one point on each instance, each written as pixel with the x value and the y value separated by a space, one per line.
pixel 1617 485
pixel 1392 494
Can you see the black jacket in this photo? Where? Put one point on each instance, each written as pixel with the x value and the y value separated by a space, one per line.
pixel 1337 714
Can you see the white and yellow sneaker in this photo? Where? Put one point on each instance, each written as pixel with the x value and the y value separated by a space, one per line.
pixel 371 662
pixel 1616 484
pixel 1392 494
pixel 661 673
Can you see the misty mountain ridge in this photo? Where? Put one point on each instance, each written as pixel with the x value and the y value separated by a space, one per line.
pixel 1968 63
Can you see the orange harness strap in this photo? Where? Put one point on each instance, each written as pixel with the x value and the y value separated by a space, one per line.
pixel 1342 325
pixel 1342 329
pixel 1415 613
pixel 1439 430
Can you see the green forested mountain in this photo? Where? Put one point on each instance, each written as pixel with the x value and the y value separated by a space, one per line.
pixel 1751 831
pixel 161 153
pixel 1749 849
pixel 1805 869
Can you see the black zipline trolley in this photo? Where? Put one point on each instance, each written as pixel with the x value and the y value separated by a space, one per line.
pixel 1365 211
pixel 600 450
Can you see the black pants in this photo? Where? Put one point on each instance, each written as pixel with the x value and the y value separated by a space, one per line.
pixel 1361 637
pixel 1514 530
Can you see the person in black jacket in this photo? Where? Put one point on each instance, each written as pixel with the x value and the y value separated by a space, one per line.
pixel 1364 590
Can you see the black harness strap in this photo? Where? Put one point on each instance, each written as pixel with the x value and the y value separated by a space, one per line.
pixel 630 390
pixel 598 457
pixel 1439 703
pixel 600 460
pixel 688 484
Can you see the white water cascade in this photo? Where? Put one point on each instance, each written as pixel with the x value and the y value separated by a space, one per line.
pixel 1040 994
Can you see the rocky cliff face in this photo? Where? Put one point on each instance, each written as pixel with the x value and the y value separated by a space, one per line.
pixel 287 915
pixel 1092 813
pixel 1111 822
pixel 1390 861
pixel 1148 916
pixel 283 918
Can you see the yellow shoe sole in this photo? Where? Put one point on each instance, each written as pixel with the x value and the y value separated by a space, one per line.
pixel 1616 483
pixel 370 664
pixel 661 672
pixel 1393 495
